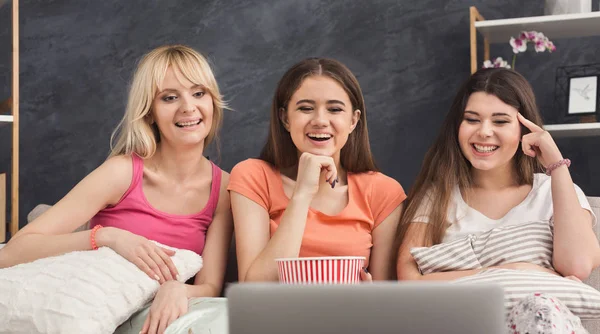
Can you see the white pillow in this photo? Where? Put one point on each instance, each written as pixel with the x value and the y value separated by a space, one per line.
pixel 580 298
pixel 79 292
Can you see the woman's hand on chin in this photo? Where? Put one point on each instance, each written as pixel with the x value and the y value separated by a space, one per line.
pixel 310 169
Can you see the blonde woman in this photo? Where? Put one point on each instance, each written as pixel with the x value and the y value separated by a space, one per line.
pixel 156 185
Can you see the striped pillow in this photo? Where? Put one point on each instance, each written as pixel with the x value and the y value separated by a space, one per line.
pixel 451 256
pixel 580 298
pixel 529 242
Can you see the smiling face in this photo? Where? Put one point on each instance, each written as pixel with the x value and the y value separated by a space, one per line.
pixel 182 110
pixel 320 117
pixel 490 132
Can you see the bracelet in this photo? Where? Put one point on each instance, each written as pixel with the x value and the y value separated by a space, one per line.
pixel 93 237
pixel 554 166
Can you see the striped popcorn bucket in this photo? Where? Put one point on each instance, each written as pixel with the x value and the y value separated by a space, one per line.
pixel 320 270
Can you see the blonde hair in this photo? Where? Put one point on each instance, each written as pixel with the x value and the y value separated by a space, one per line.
pixel 135 134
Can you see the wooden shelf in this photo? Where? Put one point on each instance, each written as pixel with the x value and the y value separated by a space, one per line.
pixel 573 130
pixel 6 118
pixel 12 104
pixel 553 26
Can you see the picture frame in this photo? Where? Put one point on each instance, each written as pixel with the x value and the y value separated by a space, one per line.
pixel 577 93
pixel 583 95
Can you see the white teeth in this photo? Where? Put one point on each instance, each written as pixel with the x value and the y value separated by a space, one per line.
pixel 189 123
pixel 485 149
pixel 319 135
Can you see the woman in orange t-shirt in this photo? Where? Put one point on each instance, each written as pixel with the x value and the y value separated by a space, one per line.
pixel 315 191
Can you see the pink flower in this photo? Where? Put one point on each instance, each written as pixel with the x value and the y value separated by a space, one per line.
pixel 498 63
pixel 523 35
pixel 533 35
pixel 540 45
pixel 541 36
pixel 518 45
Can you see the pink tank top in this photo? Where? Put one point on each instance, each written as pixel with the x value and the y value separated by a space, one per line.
pixel 135 214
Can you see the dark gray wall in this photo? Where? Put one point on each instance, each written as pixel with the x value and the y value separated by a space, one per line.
pixel 409 56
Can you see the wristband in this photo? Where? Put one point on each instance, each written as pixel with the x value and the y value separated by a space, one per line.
pixel 554 166
pixel 93 237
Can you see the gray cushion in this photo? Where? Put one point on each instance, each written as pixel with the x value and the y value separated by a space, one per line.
pixel 593 326
pixel 37 211
pixel 41 208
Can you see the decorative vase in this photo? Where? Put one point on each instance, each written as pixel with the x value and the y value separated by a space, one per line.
pixel 556 7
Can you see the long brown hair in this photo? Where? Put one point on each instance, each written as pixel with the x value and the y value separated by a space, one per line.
pixel 445 166
pixel 280 151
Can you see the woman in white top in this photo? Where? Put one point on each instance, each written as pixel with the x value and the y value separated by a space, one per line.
pixel 482 172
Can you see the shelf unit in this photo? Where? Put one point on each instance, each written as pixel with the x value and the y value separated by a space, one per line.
pixel 553 26
pixel 6 118
pixel 14 119
pixel 573 130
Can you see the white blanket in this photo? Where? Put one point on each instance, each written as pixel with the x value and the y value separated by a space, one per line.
pixel 205 316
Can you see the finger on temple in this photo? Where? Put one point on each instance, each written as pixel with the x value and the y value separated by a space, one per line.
pixel 528 124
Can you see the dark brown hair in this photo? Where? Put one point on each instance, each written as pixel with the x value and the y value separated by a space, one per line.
pixel 445 166
pixel 356 156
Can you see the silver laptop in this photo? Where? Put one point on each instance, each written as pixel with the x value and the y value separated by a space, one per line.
pixel 405 307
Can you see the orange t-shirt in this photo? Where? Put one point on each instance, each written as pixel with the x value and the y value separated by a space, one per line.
pixel 372 197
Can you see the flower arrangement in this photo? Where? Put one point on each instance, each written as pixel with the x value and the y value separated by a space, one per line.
pixel 540 43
